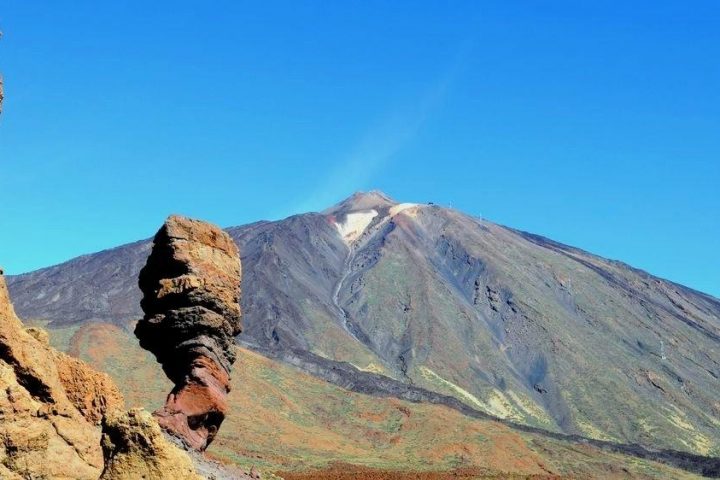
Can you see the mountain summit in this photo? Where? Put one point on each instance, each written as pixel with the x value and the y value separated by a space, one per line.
pixel 417 296
pixel 363 201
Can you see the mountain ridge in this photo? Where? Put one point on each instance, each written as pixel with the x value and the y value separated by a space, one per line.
pixel 508 322
pixel 540 237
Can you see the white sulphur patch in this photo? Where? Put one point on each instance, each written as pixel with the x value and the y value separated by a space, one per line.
pixel 409 208
pixel 355 224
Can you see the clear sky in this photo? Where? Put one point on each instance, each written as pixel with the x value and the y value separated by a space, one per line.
pixel 596 124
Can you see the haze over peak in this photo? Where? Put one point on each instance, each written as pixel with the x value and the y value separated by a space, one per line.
pixel 373 199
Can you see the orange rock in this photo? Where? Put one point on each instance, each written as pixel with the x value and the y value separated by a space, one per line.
pixel 49 405
pixel 93 393
pixel 135 448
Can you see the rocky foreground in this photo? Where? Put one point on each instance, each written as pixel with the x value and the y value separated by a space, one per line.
pixel 61 419
pixel 51 405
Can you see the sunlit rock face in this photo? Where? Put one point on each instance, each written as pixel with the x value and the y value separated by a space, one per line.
pixel 191 286
pixel 135 447
pixel 50 405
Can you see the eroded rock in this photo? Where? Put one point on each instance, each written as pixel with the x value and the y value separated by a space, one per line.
pixel 93 394
pixel 191 286
pixel 50 405
pixel 135 448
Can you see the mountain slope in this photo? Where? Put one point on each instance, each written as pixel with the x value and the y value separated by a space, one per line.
pixel 281 418
pixel 510 323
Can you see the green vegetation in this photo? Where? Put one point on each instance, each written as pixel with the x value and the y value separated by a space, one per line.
pixel 282 419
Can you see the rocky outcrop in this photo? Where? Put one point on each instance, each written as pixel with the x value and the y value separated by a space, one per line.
pixel 50 405
pixel 93 394
pixel 135 447
pixel 51 409
pixel 191 286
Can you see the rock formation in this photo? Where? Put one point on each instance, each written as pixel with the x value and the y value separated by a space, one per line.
pixel 191 285
pixel 136 448
pixel 50 405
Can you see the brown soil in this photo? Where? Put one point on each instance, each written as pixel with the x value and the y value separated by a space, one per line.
pixel 343 471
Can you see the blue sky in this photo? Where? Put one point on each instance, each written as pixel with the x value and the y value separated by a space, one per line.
pixel 594 123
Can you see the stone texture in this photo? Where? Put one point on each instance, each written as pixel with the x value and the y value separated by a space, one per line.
pixel 49 405
pixel 92 393
pixel 135 448
pixel 191 286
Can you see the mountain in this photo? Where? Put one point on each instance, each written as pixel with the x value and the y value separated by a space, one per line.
pixel 420 300
pixel 285 421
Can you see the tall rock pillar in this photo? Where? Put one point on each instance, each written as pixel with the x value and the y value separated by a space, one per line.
pixel 191 287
